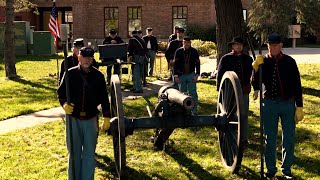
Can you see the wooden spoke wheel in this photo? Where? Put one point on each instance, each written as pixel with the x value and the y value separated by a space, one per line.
pixel 118 127
pixel 233 135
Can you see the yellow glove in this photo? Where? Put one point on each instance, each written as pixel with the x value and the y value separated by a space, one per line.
pixel 299 114
pixel 106 124
pixel 68 108
pixel 257 62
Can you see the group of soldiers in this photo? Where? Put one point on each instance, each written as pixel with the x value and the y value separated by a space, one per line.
pixel 282 92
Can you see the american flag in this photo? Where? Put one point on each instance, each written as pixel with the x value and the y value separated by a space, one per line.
pixel 54 23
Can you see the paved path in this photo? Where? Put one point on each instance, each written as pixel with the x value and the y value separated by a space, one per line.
pixel 57 113
pixel 302 55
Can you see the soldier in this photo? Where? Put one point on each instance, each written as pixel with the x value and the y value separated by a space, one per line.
pixel 152 46
pixel 72 60
pixel 88 90
pixel 172 47
pixel 174 35
pixel 282 97
pixel 187 70
pixel 241 64
pixel 113 38
pixel 137 53
pixel 140 33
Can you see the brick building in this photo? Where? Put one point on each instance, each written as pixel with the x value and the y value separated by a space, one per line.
pixel 93 19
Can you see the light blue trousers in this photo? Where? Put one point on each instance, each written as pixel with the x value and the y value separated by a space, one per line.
pixel 151 55
pixel 187 85
pixel 138 72
pixel 85 133
pixel 272 110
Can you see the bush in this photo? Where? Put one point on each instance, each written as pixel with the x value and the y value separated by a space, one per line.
pixel 203 33
pixel 205 48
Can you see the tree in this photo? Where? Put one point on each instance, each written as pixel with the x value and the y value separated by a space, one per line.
pixel 266 16
pixel 230 23
pixel 308 15
pixel 12 6
pixel 9 42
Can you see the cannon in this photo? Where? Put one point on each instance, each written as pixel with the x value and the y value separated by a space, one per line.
pixel 173 110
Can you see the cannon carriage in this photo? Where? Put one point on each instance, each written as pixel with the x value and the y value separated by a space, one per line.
pixel 173 110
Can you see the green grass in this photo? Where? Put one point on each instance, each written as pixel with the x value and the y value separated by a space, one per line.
pixel 35 90
pixel 40 152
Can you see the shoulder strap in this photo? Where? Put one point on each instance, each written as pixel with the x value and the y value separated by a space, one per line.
pixel 138 42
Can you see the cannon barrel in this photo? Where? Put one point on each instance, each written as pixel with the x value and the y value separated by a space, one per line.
pixel 177 97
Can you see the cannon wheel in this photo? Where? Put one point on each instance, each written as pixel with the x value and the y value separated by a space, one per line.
pixel 119 144
pixel 233 136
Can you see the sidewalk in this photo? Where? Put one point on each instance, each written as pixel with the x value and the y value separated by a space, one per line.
pixel 57 113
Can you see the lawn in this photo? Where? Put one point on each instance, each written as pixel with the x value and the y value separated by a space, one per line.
pixel 36 88
pixel 40 152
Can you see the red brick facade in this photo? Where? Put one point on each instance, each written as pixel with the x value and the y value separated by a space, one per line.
pixel 88 15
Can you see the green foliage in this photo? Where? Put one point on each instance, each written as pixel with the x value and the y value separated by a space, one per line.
pixel 308 15
pixel 204 33
pixel 205 48
pixel 267 16
pixel 270 16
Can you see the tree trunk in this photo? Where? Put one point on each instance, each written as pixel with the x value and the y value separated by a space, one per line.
pixel 9 42
pixel 229 24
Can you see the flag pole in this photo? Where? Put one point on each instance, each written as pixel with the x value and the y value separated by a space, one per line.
pixel 58 73
pixel 64 40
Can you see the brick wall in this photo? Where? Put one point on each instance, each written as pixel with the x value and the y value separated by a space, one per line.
pixel 88 15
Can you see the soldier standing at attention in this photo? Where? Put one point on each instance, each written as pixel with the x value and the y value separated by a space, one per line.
pixel 172 47
pixel 241 64
pixel 88 91
pixel 174 35
pixel 187 70
pixel 113 38
pixel 282 98
pixel 72 60
pixel 137 53
pixel 152 46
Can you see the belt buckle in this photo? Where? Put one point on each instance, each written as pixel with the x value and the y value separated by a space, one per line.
pixel 83 113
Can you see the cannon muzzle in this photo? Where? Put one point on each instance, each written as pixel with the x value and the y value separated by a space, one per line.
pixel 177 97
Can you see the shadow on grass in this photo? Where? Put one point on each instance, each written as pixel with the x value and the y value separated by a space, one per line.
pixel 192 166
pixel 247 173
pixel 108 165
pixel 208 81
pixel 37 85
pixel 311 91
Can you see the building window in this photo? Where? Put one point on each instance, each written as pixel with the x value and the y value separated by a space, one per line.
pixel 134 19
pixel 180 16
pixel 68 18
pixel 111 19
pixel 245 15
